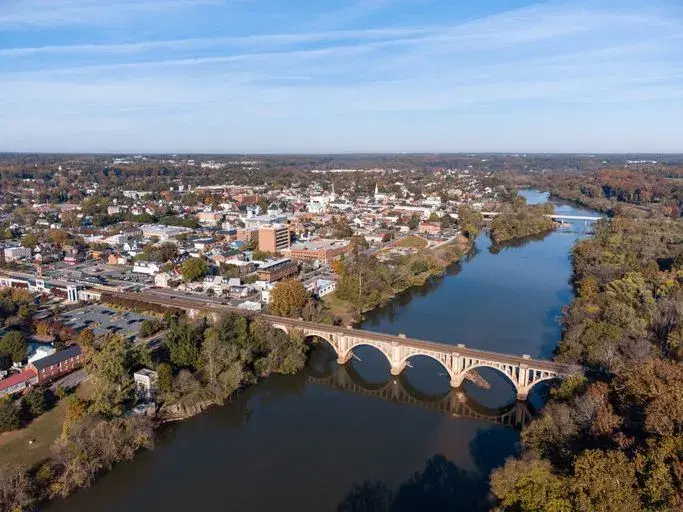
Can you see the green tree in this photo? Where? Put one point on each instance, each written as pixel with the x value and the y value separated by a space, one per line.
pixel 288 298
pixel 14 344
pixel 194 269
pixel 35 402
pixel 5 361
pixel 29 240
pixel 110 364
pixel 184 341
pixel 150 326
pixel 10 418
pixel 530 485
pixel 165 377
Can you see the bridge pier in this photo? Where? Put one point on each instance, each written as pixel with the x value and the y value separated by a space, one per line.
pixel 456 381
pixel 344 358
pixel 397 368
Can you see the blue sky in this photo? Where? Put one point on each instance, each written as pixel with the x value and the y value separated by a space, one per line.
pixel 341 76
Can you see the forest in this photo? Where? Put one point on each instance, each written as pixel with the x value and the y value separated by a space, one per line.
pixel 612 438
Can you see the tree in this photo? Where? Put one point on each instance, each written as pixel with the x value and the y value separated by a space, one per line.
pixel 604 482
pixel 86 338
pixel 183 341
pixel 30 240
pixel 35 402
pixel 193 269
pixel 5 361
pixel 16 493
pixel 288 298
pixel 110 364
pixel 530 485
pixel 150 326
pixel 10 419
pixel 414 221
pixel 165 377
pixel 14 344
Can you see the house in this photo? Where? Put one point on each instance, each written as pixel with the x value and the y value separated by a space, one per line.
pixel 73 256
pixel 432 228
pixel 166 279
pixel 18 382
pixel 47 253
pixel 321 287
pixel 58 364
pixel 117 259
pixel 145 383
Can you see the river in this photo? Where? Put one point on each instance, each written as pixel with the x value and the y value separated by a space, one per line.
pixel 353 435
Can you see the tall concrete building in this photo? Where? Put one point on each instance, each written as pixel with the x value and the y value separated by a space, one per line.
pixel 274 238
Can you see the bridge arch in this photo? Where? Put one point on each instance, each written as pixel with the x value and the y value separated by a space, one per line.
pixel 348 353
pixel 443 364
pixel 325 337
pixel 523 393
pixel 511 378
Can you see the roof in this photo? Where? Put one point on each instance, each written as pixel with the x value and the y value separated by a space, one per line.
pixel 62 355
pixel 269 265
pixel 17 379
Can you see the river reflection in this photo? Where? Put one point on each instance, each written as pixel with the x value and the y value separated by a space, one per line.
pixel 346 438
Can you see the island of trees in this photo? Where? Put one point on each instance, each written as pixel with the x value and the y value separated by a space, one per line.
pixel 519 220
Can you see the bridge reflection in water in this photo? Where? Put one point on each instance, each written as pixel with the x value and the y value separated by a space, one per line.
pixel 399 390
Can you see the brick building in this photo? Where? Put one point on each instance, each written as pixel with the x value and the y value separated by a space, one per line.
pixel 274 238
pixel 58 364
pixel 321 250
pixel 277 270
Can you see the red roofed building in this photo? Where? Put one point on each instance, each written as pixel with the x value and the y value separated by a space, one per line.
pixel 18 382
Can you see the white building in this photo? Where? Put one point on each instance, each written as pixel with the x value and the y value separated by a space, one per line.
pixel 149 269
pixel 321 287
pixel 145 383
pixel 163 233
pixel 17 253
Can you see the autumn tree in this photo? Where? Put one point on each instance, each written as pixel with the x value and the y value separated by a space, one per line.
pixel 288 298
pixel 193 269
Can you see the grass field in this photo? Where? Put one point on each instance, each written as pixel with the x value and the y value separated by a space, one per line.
pixel 413 241
pixel 15 450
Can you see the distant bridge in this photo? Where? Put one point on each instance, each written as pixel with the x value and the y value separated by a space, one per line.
pixel 455 403
pixel 552 216
pixel 522 371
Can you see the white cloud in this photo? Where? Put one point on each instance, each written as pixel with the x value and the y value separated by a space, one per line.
pixel 555 57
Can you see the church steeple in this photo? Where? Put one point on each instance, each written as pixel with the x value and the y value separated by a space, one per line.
pixel 376 189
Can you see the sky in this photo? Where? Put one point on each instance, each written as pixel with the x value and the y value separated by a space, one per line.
pixel 312 76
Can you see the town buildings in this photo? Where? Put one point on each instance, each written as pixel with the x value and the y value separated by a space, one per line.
pixel 323 250
pixel 274 238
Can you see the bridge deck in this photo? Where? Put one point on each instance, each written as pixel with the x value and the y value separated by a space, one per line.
pixel 185 302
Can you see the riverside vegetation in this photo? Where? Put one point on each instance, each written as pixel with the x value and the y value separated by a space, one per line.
pixel 613 439
pixel 202 364
pixel 520 220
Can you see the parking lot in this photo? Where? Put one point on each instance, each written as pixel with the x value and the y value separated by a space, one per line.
pixel 103 320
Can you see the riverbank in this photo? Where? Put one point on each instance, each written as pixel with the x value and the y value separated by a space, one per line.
pixel 347 310
pixel 614 434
